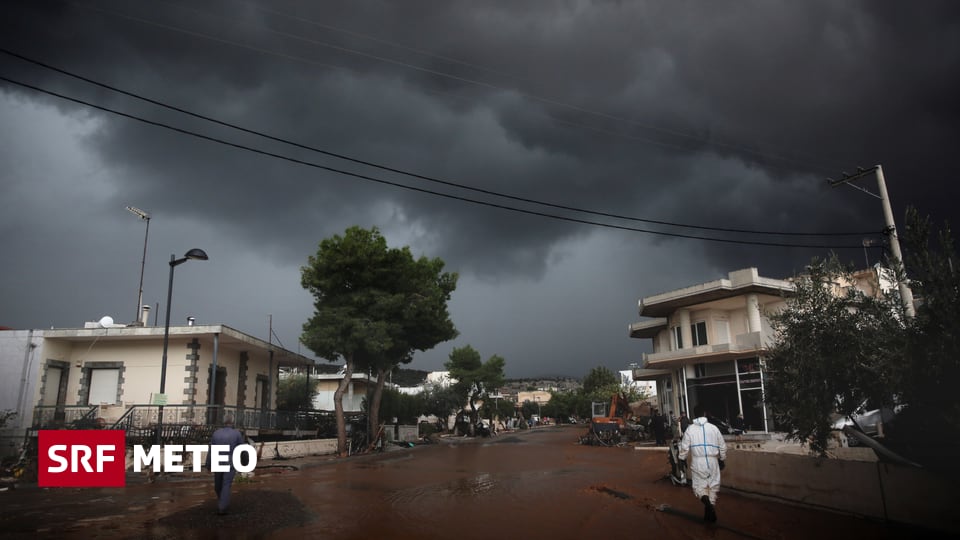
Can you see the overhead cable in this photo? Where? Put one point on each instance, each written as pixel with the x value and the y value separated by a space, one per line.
pixel 413 188
pixel 417 175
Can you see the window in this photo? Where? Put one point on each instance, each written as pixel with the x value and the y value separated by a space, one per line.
pixel 51 388
pixel 721 330
pixel 103 386
pixel 678 337
pixel 699 333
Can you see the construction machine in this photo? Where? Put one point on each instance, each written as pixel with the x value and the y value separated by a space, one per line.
pixel 615 426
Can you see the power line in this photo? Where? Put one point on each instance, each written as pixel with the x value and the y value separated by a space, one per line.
pixel 413 188
pixel 382 41
pixel 412 174
pixel 465 80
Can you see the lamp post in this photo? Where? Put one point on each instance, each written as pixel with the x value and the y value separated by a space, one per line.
pixel 539 412
pixel 199 255
pixel 145 216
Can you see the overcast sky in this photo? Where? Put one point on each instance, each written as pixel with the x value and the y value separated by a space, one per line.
pixel 720 114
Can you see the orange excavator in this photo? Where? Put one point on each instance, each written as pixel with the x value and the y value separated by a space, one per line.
pixel 612 428
pixel 618 413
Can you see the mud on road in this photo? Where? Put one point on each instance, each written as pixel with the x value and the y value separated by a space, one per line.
pixel 535 484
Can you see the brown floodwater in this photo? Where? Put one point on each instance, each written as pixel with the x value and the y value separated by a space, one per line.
pixel 531 484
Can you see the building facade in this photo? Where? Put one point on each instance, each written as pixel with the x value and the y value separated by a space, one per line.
pixel 707 341
pixel 360 388
pixel 100 375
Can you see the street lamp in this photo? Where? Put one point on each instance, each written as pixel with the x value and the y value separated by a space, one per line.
pixel 539 412
pixel 145 216
pixel 199 255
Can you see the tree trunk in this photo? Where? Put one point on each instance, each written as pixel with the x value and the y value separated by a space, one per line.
pixel 473 417
pixel 338 407
pixel 374 411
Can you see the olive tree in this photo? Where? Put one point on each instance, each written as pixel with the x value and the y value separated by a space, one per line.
pixel 835 347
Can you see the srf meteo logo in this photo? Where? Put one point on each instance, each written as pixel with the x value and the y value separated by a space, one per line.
pixel 82 458
pixel 97 458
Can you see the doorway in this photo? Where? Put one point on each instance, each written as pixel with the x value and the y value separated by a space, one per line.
pixel 54 394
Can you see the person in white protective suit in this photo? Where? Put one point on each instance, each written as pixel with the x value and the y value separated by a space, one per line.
pixel 704 445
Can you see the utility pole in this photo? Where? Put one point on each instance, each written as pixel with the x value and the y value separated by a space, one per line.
pixel 906 295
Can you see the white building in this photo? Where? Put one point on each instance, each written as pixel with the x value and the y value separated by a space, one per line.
pixel 358 388
pixel 435 379
pixel 707 341
pixel 646 387
pixel 94 376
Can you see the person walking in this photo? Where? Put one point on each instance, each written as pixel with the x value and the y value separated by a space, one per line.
pixel 226 436
pixel 704 445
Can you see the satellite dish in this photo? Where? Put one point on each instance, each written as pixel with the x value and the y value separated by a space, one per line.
pixel 106 321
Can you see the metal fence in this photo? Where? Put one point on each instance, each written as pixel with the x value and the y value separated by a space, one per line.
pixel 141 416
pixel 187 424
pixel 65 417
pixel 192 424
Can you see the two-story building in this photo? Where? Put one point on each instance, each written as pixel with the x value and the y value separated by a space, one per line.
pixel 707 342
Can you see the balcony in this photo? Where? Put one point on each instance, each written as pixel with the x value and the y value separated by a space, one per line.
pixel 748 344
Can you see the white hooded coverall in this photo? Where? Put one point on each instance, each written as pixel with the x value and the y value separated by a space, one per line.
pixel 703 444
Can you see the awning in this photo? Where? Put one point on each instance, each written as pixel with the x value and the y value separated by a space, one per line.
pixel 650 374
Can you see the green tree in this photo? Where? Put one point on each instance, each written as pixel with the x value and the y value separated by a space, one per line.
pixel 475 379
pixel 295 393
pixel 405 407
pixel 927 375
pixel 565 404
pixel 441 401
pixel 498 408
pixel 599 377
pixel 418 323
pixel 834 349
pixel 352 313
pixel 600 386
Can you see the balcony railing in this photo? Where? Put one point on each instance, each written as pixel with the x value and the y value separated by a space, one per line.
pixel 193 424
pixel 65 417
pixel 749 342
pixel 189 424
pixel 140 416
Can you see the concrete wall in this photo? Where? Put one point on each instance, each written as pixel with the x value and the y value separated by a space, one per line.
pixel 17 358
pixel 866 488
pixel 290 449
pixel 405 433
pixel 266 451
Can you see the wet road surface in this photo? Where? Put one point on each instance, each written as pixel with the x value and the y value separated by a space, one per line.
pixel 530 484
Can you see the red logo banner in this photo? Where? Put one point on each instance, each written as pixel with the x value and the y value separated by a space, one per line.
pixel 82 458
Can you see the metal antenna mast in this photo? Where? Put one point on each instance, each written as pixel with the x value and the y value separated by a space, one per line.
pixel 145 217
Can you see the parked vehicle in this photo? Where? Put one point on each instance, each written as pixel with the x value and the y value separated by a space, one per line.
pixel 866 421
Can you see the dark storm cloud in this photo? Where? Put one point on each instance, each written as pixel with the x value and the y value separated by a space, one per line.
pixel 724 114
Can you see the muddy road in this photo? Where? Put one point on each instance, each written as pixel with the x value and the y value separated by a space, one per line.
pixel 531 484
